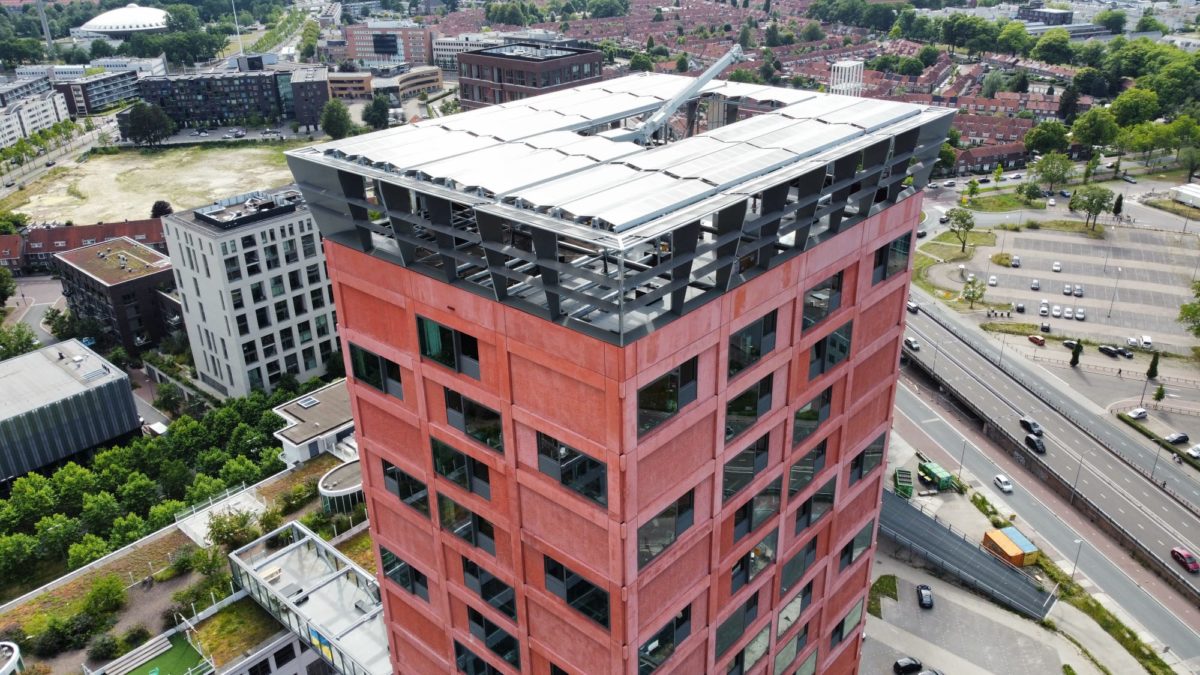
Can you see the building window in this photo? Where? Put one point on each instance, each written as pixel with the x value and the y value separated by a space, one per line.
pixel 787 652
pixel 466 525
pixel 747 567
pixel 854 548
pixel 256 292
pixel 496 638
pixel 233 271
pixel 492 590
pixel 822 300
pixel 243 325
pixel 376 371
pixel 816 506
pixel 810 416
pixel 868 459
pixel 796 566
pixel 582 595
pixel 410 490
pixel 795 607
pixel 655 536
pixel 846 625
pixel 662 398
pixel 262 316
pixel 451 348
pixel 830 350
pixel 404 574
pixel 277 287
pixel 468 662
pixel 309 244
pixel 313 273
pixel 281 311
pixel 742 469
pixel 235 295
pixel 573 469
pixel 731 629
pixel 891 259
pixel 475 420
pixel 802 472
pixel 809 667
pixel 284 655
pixel 751 655
pixel 261 668
pixel 460 469
pixel 749 344
pixel 662 645
pixel 317 298
pixel 757 510
pixel 742 411
pixel 250 351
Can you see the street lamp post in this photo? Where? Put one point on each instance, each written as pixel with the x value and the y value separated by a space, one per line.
pixel 1116 288
pixel 961 457
pixel 1075 482
pixel 1142 400
pixel 1078 550
pixel 1155 466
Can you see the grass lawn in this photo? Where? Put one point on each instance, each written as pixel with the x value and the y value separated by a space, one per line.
pixel 230 632
pixel 1172 206
pixel 974 238
pixel 44 572
pixel 1004 202
pixel 176 661
pixel 359 549
pixel 1067 226
pixel 1002 259
pixel 884 587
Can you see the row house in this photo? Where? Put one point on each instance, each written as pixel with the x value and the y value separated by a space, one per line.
pixel 984 158
pixel 965 81
pixel 11 246
pixel 991 130
pixel 1008 62
pixel 41 243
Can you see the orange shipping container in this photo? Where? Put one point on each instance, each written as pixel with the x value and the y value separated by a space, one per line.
pixel 999 545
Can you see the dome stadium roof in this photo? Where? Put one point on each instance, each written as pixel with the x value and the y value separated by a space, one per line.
pixel 128 19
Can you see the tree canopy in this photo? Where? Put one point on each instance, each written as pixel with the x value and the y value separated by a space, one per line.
pixel 335 119
pixel 1046 137
pixel 149 124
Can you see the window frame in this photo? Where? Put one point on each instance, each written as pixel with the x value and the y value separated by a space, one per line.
pixel 566 583
pixel 681 389
pixel 749 517
pixel 573 469
pixel 754 341
pixel 460 468
pixel 460 345
pixel 761 392
pixel 460 409
pixel 834 284
pixel 403 574
pixel 869 459
pixel 758 456
pixel 823 403
pixel 677 629
pixel 389 380
pixel 684 517
pixel 418 500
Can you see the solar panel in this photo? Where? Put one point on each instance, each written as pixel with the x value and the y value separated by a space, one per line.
pixel 307 402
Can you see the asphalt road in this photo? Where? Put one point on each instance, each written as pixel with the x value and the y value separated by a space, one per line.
pixel 1094 561
pixel 1131 499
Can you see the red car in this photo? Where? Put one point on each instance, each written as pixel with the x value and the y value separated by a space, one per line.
pixel 1037 340
pixel 1184 557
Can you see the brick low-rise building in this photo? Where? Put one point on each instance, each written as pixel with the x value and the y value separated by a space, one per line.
pixel 984 158
pixel 42 242
pixel 512 72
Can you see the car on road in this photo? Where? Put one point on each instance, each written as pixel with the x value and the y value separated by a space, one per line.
pixel 1070 344
pixel 1016 176
pixel 50 162
pixel 1079 316
pixel 1056 267
pixel 922 232
pixel 1051 202
pixel 931 186
pixel 1016 261
pixel 1177 438
pixel 924 596
pixel 227 136
pixel 912 344
pixel 1193 452
pixel 948 183
pixel 1031 425
pixel 1067 290
pixel 1125 352
pixel 1003 483
pixel 1138 414
pixel 1109 350
pixel 906 665
pixel 1066 194
pixel 912 306
pixel 1056 312
pixel 992 280
pixel 1110 165
pixel 944 219
pixel 1035 444
pixel 1037 340
pixel 1045 327
pixel 1147 343
pixel 1129 179
pixel 194 133
pixel 1035 285
pixel 1079 290
pixel 1019 307
pixel 1186 560
pixel 9 183
pixel 984 181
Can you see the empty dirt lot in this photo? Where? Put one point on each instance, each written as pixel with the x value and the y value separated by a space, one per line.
pixel 109 188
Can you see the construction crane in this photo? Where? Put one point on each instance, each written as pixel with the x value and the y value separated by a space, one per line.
pixel 645 130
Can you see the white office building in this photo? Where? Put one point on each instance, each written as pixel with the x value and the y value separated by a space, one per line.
pixel 447 49
pixel 62 72
pixel 256 297
pixel 30 115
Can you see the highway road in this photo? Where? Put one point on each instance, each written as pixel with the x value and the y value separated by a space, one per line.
pixel 1138 505
pixel 1098 561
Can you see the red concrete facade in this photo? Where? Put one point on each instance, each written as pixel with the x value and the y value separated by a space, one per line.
pixel 543 377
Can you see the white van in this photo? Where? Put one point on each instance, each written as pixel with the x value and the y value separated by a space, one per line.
pixel 1147 343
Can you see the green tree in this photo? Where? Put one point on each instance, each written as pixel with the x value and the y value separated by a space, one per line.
pixel 106 596
pixel 1118 204
pixel 335 119
pixel 1053 169
pixel 31 497
pixel 126 530
pixel 771 35
pixel 240 470
pixel 1053 47
pixel 811 32
pixel 1014 39
pixel 1089 169
pixel 1076 352
pixel 16 339
pixel 232 528
pixel 1135 106
pixel 973 292
pixel 1189 159
pixel 998 172
pixel 161 208
pixel 100 509
pixel 929 55
pixel 55 532
pixel 8 285
pixel 17 553
pixel 12 222
pixel 745 38
pixel 168 398
pixel 204 486
pixel 88 549
pixel 1148 24
pixel 1047 137
pixel 961 224
pixel 1097 126
pixel 149 124
pixel 118 357
pixel 972 189
pixel 1189 313
pixel 139 493
pixel 1029 192
pixel 1152 371
pixel 641 62
pixel 1112 19
pixel 163 513
pixel 376 112
pixel 1093 200
pixel 1159 394
pixel 71 482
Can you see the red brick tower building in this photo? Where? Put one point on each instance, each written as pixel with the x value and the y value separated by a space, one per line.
pixel 624 410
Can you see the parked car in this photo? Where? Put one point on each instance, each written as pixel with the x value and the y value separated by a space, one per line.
pixel 906 665
pixel 948 183
pixel 1128 179
pixel 1079 316
pixel 1045 327
pixel 984 181
pixel 1110 165
pixel 944 219
pixel 1056 312
pixel 1031 425
pixel 1037 340
pixel 912 344
pixel 1125 352
pixel 1147 343
pixel 993 281
pixel 1035 285
pixel 924 596
pixel 1177 438
pixel 1185 558
pixel 1016 176
pixel 1056 267
pixel 1019 307
pixel 50 162
pixel 1070 344
pixel 912 306
pixel 1003 483
pixel 1051 202
pixel 922 232
pixel 1109 350
pixel 1068 313
pixel 9 183
pixel 1016 261
pixel 1035 444
pixel 1066 194
pixel 1138 414
pixel 1067 289
pixel 1193 452
pixel 1044 310
pixel 194 133
pixel 1079 290
pixel 930 186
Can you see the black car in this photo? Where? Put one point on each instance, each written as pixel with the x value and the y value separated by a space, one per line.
pixel 925 596
pixel 1177 438
pixel 1029 424
pixel 1129 179
pixel 921 232
pixel 1034 443
pixel 944 219
pixel 1125 352
pixel 984 181
pixel 50 162
pixel 1070 344
pixel 1064 193
pixel 1045 327
pixel 906 665
pixel 1020 307
pixel 1109 350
